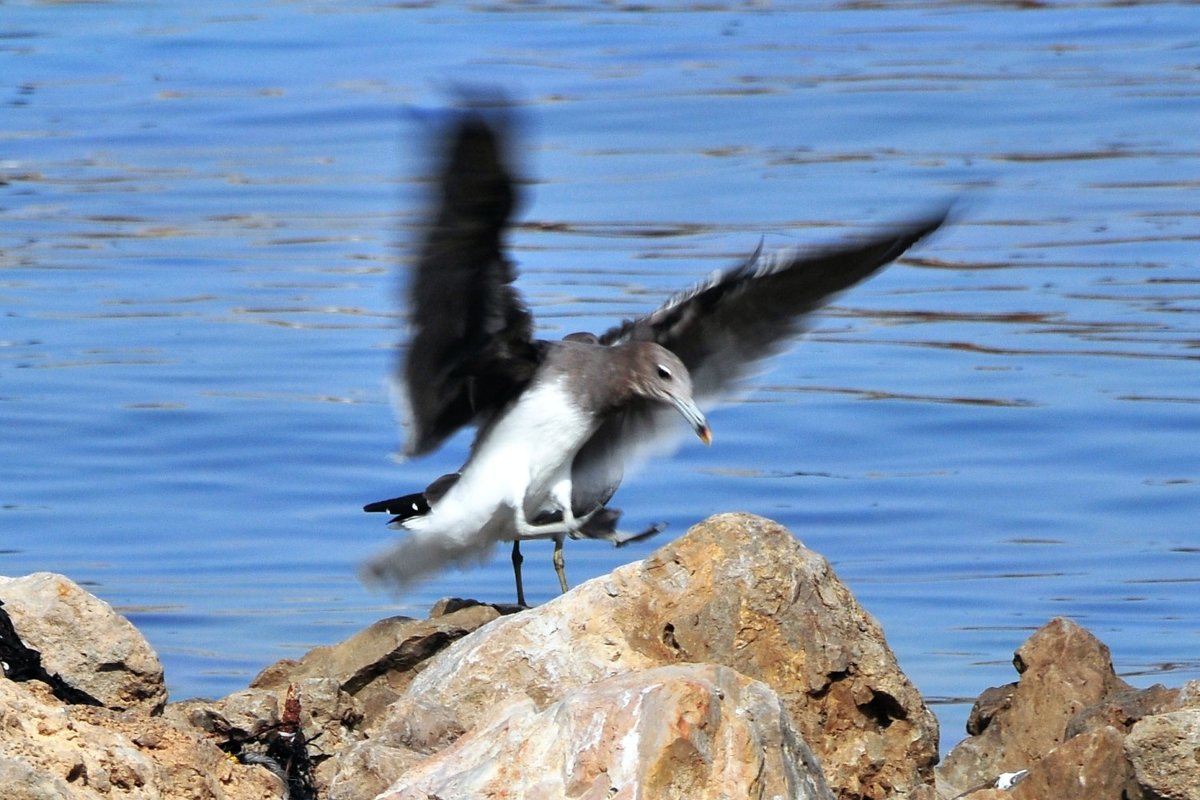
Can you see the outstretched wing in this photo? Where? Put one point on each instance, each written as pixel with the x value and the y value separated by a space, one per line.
pixel 471 349
pixel 720 328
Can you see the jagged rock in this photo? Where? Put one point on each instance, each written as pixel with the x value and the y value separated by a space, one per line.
pixel 53 751
pixel 368 768
pixel 707 670
pixel 117 666
pixel 328 717
pixel 736 590
pixel 1063 670
pixel 993 701
pixel 1066 722
pixel 376 665
pixel 1090 766
pixel 693 730
pixel 1123 709
pixel 1165 753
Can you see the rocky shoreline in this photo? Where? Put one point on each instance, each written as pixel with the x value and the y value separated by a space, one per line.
pixel 730 663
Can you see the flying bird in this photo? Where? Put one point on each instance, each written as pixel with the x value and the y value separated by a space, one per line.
pixel 557 421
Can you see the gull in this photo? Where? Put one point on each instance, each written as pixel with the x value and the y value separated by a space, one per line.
pixel 557 421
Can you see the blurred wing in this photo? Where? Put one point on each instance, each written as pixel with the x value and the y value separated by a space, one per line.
pixel 619 445
pixel 471 350
pixel 720 328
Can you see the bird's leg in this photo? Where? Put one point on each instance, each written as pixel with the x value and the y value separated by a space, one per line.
pixel 517 560
pixel 561 493
pixel 569 525
pixel 527 531
pixel 560 565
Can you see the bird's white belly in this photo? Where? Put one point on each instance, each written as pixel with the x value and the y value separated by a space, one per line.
pixel 525 454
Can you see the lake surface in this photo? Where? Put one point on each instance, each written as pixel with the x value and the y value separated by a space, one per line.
pixel 202 209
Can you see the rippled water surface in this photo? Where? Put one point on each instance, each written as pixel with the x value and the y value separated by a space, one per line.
pixel 201 209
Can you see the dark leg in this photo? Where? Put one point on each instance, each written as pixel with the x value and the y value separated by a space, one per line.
pixel 517 558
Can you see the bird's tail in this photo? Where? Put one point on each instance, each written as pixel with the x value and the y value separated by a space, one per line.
pixel 422 553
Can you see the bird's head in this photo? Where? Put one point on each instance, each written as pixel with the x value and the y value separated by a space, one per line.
pixel 663 378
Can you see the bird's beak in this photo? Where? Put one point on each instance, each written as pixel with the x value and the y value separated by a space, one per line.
pixel 691 412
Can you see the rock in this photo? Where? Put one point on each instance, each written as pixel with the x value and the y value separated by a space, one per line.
pixel 81 638
pixel 986 794
pixel 691 730
pixel 448 605
pixel 1122 709
pixel 1063 670
pixel 23 782
pixel 328 717
pixel 53 751
pixel 376 665
pixel 1164 751
pixel 995 789
pixel 1066 722
pixel 730 663
pixel 993 701
pixel 1090 766
pixel 736 590
pixel 368 768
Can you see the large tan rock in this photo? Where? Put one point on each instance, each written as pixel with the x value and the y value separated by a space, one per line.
pixel 52 751
pixel 693 731
pixel 84 641
pixel 375 665
pixel 738 591
pixel 1165 754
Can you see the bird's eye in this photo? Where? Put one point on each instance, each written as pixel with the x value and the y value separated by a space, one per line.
pixel 664 373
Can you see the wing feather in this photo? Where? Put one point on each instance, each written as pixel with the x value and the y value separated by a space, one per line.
pixel 721 327
pixel 472 347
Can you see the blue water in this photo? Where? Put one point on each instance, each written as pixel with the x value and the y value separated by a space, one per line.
pixel 201 209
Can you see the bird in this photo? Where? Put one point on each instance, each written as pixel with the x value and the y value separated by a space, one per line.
pixel 558 421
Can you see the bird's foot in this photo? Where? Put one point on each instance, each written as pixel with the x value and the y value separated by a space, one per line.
pixel 603 526
pixel 621 538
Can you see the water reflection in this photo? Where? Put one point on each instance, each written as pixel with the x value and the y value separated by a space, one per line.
pixel 878 394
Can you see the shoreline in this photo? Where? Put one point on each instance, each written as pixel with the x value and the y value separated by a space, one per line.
pixel 731 662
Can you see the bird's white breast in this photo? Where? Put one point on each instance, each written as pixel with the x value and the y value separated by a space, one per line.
pixel 527 450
